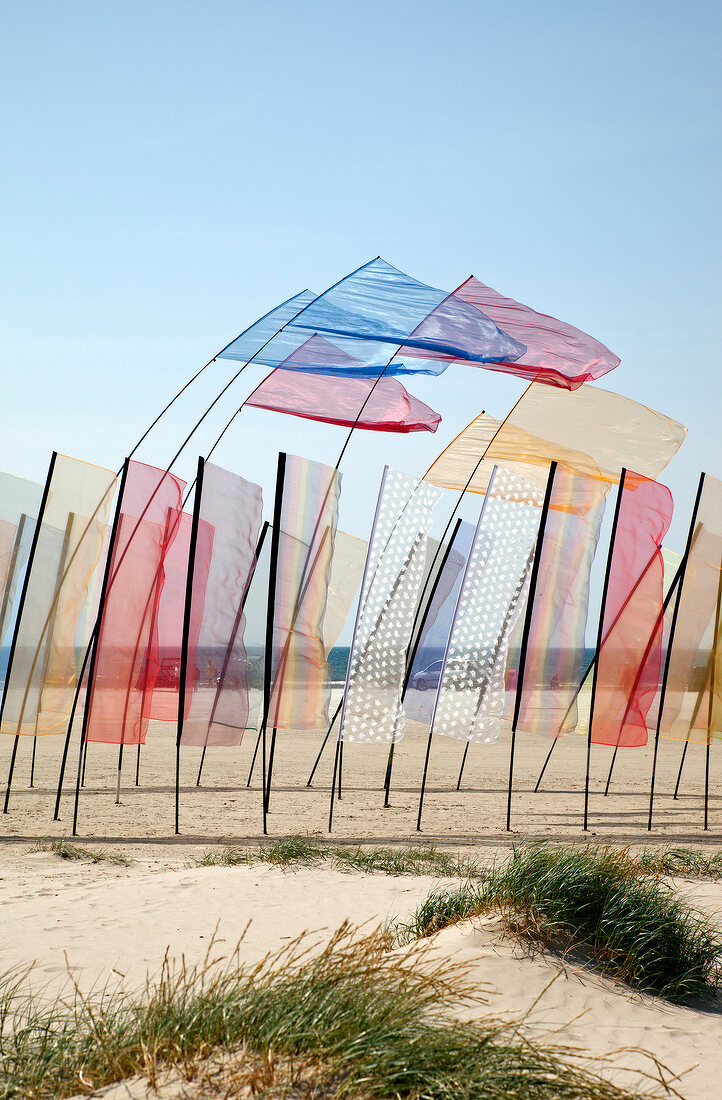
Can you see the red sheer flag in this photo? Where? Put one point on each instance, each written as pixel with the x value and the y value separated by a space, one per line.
pixel 556 353
pixel 375 404
pixel 630 655
pixel 127 659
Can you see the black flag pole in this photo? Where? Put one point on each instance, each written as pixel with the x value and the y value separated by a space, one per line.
pixel 324 743
pixel 272 581
pixel 19 616
pixel 422 614
pixel 525 633
pixel 650 642
pixel 712 691
pixel 600 631
pixel 187 610
pixel 679 580
pixel 93 646
pixel 229 648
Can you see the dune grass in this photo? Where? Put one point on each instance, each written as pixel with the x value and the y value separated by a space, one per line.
pixel 599 901
pixel 426 860
pixel 350 1021
pixel 684 862
pixel 65 850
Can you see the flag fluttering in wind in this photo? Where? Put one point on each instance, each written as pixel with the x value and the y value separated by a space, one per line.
pixel 693 700
pixel 300 683
pixel 595 431
pixel 554 661
pixel 382 405
pixel 372 710
pixel 630 654
pixel 369 315
pixel 49 635
pixel 470 699
pixel 19 506
pixel 216 689
pixel 126 659
pixel 556 353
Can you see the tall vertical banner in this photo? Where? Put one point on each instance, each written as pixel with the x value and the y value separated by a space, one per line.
pixel 630 654
pixel 372 709
pixel 470 699
pixel 300 682
pixel 125 665
pixel 693 701
pixel 216 685
pixel 49 635
pixel 555 648
pixel 19 505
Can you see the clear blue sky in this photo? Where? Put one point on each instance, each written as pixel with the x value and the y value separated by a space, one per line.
pixel 172 170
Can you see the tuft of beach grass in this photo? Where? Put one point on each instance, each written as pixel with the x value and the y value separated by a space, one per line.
pixel 600 901
pixel 65 850
pixel 349 1020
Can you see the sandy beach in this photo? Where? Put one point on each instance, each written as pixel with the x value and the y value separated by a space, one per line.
pixel 113 925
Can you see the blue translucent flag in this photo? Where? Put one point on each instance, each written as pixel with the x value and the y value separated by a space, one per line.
pixel 373 312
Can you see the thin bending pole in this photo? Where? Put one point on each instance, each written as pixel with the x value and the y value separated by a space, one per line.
pixel 607 575
pixel 333 782
pixel 691 535
pixel 711 694
pixel 12 564
pixel 272 580
pixel 119 770
pixel 255 754
pixel 446 653
pixel 463 763
pixel 137 767
pixel 21 606
pixel 611 769
pixel 679 773
pixel 85 760
pixel 183 675
pixel 525 633
pixel 325 741
pixel 93 643
pixel 64 760
pixel 422 614
pixel 48 633
pixel 229 648
pixel 593 662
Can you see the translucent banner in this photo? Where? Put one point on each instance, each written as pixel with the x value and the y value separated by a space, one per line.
pixel 372 709
pixel 217 685
pixel 630 656
pixel 49 645
pixel 470 699
pixel 126 659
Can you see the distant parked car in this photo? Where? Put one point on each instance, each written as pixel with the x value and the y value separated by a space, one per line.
pixel 429 677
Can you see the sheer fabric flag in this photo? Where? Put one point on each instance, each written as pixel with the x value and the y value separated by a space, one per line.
pixel 248 345
pixel 556 353
pixel 126 658
pixel 370 313
pixel 167 635
pixel 593 430
pixel 555 647
pixel 300 676
pixel 19 506
pixel 347 566
pixel 470 699
pixel 217 686
pixel 630 656
pixel 43 675
pixel 381 405
pixel 372 709
pixel 425 673
pixel 693 699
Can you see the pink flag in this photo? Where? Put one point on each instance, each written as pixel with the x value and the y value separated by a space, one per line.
pixel 376 404
pixel 630 657
pixel 126 659
pixel 556 353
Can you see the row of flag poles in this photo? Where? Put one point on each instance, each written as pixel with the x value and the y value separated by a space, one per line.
pixel 90 602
